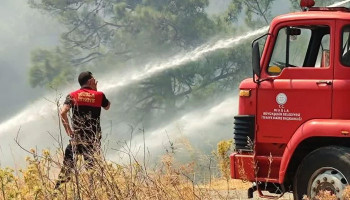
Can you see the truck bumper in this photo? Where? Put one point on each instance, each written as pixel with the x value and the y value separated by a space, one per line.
pixel 242 167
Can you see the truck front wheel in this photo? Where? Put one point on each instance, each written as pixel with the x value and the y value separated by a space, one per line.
pixel 326 168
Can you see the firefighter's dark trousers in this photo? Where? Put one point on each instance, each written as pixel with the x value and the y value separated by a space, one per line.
pixel 87 150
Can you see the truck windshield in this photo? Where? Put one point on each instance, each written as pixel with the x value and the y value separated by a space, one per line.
pixel 304 46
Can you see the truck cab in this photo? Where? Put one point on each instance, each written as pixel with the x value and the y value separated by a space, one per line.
pixel 292 129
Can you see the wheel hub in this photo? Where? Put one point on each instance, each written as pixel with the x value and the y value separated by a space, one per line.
pixel 327 179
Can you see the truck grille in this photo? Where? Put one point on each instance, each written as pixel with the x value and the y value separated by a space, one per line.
pixel 244 128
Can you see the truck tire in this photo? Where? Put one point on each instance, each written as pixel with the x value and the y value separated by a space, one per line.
pixel 326 168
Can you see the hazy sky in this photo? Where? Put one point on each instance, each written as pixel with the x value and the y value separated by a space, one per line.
pixel 21 30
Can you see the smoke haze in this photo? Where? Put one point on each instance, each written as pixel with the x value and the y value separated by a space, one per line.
pixel 21 30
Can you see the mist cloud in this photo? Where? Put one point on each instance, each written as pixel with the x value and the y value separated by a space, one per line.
pixel 22 29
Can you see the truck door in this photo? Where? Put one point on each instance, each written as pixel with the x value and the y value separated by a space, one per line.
pixel 341 83
pixel 298 80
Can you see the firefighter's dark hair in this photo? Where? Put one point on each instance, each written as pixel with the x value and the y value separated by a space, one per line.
pixel 84 77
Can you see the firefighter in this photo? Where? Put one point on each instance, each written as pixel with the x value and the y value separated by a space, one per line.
pixel 85 132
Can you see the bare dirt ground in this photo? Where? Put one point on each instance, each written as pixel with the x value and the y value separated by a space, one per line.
pixel 242 195
pixel 236 189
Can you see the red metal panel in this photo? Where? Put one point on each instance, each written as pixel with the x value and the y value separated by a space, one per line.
pixel 341 97
pixel 268 168
pixel 304 100
pixel 247 105
pixel 242 167
pixel 232 165
pixel 341 85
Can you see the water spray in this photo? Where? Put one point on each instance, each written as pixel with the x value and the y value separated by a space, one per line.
pixel 31 113
pixel 339 3
pixel 152 69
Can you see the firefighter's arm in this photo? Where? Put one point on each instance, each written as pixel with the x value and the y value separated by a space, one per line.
pixel 107 107
pixel 105 102
pixel 64 118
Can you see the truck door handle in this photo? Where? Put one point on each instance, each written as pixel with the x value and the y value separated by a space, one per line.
pixel 324 82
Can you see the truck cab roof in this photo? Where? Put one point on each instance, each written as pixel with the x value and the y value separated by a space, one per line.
pixel 317 13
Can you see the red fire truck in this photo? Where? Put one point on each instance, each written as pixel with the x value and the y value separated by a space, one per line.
pixel 292 131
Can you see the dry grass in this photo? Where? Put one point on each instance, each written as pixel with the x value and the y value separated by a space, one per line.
pixel 346 193
pixel 109 180
pixel 223 184
pixel 323 195
pixel 326 195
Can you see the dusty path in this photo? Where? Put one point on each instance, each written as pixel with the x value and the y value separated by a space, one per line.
pixel 242 195
pixel 236 189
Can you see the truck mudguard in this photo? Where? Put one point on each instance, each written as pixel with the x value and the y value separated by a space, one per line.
pixel 313 128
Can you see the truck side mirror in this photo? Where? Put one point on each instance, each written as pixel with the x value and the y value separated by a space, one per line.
pixel 256 59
